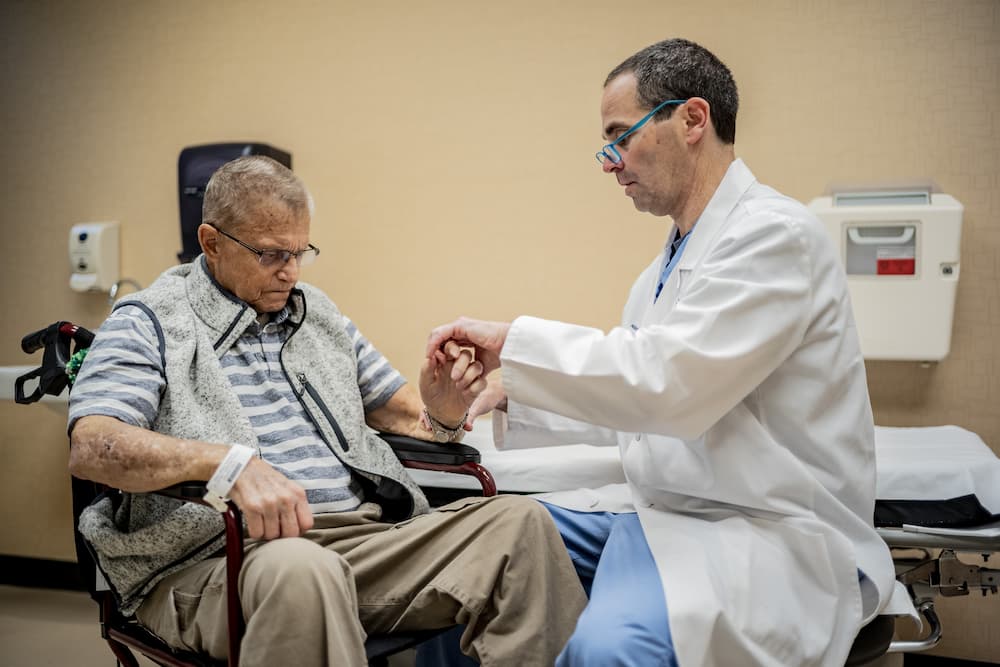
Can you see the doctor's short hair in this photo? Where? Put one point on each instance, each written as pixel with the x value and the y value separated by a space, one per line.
pixel 677 69
pixel 239 187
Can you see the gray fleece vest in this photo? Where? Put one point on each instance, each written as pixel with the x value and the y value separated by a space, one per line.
pixel 139 539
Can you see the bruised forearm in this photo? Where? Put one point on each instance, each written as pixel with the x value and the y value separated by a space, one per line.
pixel 108 451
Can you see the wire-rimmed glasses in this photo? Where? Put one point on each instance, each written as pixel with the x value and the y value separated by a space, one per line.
pixel 275 256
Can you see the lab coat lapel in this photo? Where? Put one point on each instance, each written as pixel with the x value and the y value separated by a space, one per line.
pixel 712 221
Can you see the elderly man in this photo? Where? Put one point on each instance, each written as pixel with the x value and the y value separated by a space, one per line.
pixel 735 390
pixel 229 362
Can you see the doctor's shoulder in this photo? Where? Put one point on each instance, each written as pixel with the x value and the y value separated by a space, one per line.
pixel 780 219
pixel 765 245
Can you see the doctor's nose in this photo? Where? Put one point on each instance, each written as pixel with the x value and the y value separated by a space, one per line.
pixel 609 167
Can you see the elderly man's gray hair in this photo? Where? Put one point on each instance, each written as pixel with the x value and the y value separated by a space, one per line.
pixel 239 187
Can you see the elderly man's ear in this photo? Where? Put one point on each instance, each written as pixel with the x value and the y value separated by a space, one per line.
pixel 208 239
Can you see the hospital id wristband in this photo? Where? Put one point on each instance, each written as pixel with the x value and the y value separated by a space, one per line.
pixel 218 488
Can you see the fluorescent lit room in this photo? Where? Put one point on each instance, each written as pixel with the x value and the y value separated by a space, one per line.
pixel 431 334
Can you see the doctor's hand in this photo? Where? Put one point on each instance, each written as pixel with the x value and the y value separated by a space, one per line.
pixel 450 380
pixel 487 338
pixel 492 398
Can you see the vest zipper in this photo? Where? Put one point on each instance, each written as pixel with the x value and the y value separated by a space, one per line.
pixel 314 395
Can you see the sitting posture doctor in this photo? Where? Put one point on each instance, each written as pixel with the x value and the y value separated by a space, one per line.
pixel 735 390
pixel 230 360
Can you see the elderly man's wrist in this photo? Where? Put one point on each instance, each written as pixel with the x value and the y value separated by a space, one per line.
pixel 224 478
pixel 445 431
pixel 445 417
pixel 447 421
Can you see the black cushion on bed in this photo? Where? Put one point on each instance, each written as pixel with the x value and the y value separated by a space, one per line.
pixel 960 512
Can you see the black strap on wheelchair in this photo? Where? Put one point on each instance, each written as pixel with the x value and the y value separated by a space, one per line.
pixel 55 339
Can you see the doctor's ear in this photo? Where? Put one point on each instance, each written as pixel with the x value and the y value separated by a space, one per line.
pixel 697 117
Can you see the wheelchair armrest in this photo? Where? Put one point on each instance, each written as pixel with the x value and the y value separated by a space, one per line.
pixel 194 492
pixel 424 451
pixel 451 457
pixel 188 491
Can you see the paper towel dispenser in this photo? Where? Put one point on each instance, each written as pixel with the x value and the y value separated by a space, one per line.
pixel 901 253
pixel 195 166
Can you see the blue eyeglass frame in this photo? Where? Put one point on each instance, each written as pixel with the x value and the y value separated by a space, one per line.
pixel 614 156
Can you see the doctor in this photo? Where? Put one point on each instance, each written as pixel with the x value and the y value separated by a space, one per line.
pixel 735 390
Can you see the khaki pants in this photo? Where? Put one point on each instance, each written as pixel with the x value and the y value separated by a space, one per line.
pixel 496 565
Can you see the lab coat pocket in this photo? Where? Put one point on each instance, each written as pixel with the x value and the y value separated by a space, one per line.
pixel 683 277
pixel 792 570
pixel 673 292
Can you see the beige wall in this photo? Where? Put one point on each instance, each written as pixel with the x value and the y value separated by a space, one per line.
pixel 449 148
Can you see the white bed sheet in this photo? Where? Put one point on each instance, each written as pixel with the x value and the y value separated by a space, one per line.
pixel 936 463
pixel 920 463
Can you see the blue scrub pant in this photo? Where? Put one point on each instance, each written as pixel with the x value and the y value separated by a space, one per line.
pixel 624 624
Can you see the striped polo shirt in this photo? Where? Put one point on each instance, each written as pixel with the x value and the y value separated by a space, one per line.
pixel 123 377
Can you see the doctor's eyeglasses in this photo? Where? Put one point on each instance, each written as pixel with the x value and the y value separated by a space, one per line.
pixel 610 151
pixel 272 257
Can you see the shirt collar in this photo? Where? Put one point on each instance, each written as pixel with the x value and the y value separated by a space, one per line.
pixel 229 315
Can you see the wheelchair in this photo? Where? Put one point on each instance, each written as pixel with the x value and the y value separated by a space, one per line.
pixel 124 634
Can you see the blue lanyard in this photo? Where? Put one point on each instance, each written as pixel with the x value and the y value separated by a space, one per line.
pixel 678 248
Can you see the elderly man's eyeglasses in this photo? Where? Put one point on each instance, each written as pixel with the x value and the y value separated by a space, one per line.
pixel 610 151
pixel 273 256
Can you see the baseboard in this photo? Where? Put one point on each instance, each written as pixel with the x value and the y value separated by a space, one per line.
pixel 40 573
pixel 919 660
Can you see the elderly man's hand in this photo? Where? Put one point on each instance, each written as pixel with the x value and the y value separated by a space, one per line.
pixel 273 505
pixel 450 379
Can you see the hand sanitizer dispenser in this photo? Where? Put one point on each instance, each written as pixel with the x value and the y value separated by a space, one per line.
pixel 93 256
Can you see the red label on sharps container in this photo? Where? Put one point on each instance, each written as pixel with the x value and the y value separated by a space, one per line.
pixel 895 261
pixel 896 266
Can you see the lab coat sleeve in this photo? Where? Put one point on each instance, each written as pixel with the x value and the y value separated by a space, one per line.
pixel 745 309
pixel 523 426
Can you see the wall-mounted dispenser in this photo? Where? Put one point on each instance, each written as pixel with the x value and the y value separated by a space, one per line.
pixel 901 253
pixel 94 256
pixel 195 166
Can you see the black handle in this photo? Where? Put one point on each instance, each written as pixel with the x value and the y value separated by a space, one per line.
pixel 36 340
pixel 55 339
pixel 19 396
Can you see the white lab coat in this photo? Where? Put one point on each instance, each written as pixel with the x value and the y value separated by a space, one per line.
pixel 740 406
